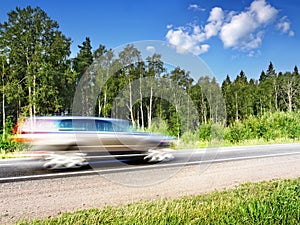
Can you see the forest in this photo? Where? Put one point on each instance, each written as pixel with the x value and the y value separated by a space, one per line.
pixel 38 77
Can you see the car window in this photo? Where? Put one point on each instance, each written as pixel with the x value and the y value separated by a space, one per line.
pixel 72 125
pixel 102 125
pixel 91 125
pixel 85 125
pixel 65 125
pixel 122 126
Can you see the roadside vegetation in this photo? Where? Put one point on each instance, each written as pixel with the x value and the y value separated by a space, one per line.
pixel 271 128
pixel 8 148
pixel 273 202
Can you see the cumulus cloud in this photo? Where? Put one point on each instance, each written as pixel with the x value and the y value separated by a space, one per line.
pixel 186 42
pixel 262 12
pixel 244 30
pixel 238 30
pixel 215 22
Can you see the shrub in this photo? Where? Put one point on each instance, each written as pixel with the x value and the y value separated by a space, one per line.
pixel 205 132
pixel 270 126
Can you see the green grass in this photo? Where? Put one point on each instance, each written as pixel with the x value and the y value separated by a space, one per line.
pixel 12 155
pixel 17 152
pixel 224 143
pixel 274 202
pixel 261 142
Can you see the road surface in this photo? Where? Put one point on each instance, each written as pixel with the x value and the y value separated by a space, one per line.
pixel 29 192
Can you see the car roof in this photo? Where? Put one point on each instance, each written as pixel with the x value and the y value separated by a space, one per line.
pixel 75 118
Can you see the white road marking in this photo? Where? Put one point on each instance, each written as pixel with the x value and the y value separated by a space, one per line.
pixel 142 167
pixel 5 164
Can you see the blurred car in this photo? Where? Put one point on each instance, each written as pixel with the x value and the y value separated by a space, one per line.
pixel 68 142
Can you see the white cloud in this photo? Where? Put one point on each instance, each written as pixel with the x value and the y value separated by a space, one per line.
pixel 185 42
pixel 242 30
pixel 253 42
pixel 216 14
pixel 285 26
pixel 263 12
pixel 151 49
pixel 291 33
pixel 195 7
pixel 169 26
pixel 215 22
pixel 237 30
pixel 254 53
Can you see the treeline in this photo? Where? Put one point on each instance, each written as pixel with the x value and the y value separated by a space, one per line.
pixel 40 78
pixel 273 92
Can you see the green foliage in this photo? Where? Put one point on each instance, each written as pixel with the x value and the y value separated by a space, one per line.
pixel 274 202
pixel 159 126
pixel 205 132
pixel 6 145
pixel 189 138
pixel 211 132
pixel 37 54
pixel 270 126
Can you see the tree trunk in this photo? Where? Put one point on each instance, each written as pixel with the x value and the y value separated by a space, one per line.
pixel 34 96
pixel 236 108
pixel 3 115
pixel 131 104
pixel 150 108
pixel 99 107
pixel 141 105
pixel 276 96
pixel 204 111
pixel 3 105
pixel 30 102
pixel 290 96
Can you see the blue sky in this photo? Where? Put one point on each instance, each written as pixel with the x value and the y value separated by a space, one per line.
pixel 229 35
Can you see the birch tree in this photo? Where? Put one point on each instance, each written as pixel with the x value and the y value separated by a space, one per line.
pixel 37 53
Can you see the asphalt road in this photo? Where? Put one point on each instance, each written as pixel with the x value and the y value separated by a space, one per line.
pixel 12 170
pixel 28 192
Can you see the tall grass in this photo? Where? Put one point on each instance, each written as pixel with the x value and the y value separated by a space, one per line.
pixel 274 202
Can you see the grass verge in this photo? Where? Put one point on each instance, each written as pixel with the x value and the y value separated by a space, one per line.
pixel 11 155
pixel 224 143
pixel 273 202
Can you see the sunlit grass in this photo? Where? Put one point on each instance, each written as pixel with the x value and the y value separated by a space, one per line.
pixel 261 142
pixel 274 202
pixel 224 143
pixel 12 155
